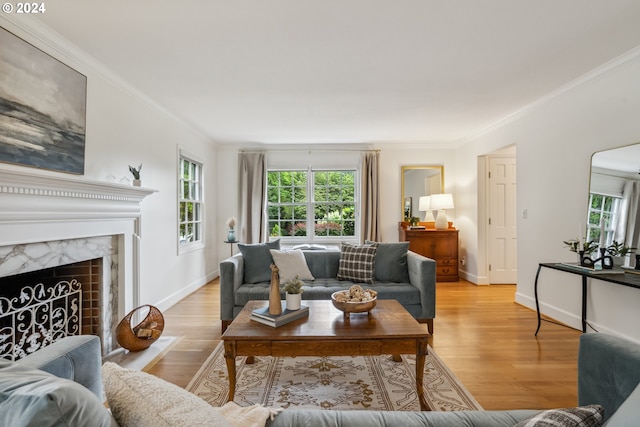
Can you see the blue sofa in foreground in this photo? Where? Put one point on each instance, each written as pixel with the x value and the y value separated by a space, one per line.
pixel 608 375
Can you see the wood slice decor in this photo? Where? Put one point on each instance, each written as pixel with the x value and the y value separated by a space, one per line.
pixel 145 333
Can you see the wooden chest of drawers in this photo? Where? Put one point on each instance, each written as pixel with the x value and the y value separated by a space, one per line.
pixel 439 245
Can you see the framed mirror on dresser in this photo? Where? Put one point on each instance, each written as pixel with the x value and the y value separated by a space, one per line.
pixel 440 245
pixel 418 181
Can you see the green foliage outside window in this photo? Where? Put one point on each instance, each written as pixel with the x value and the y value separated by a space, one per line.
pixel 332 211
pixel 190 202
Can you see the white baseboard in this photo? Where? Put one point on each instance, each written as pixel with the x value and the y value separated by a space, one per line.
pixel 176 297
pixel 473 278
pixel 570 319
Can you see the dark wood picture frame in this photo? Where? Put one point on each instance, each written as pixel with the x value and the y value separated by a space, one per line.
pixel 42 108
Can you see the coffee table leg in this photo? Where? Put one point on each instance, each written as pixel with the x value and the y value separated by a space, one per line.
pixel 230 358
pixel 421 353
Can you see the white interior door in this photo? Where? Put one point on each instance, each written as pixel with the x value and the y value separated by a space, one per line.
pixel 502 220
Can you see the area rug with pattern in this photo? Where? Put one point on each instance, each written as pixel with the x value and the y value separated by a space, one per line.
pixel 334 383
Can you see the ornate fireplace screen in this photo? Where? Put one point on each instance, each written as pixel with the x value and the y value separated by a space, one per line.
pixel 39 316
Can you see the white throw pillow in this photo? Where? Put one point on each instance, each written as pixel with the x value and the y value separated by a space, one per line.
pixel 143 400
pixel 291 264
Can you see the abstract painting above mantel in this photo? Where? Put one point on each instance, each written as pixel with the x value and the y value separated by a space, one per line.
pixel 42 108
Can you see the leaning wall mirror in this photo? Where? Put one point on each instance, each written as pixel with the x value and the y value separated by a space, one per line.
pixel 614 197
pixel 417 181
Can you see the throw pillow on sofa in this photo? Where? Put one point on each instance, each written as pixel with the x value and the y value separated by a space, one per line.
pixel 356 263
pixel 581 416
pixel 140 399
pixel 391 262
pixel 291 264
pixel 31 397
pixel 257 260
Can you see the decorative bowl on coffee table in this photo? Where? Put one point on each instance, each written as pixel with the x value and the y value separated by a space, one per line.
pixel 349 307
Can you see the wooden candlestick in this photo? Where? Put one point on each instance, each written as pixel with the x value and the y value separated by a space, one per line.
pixel 275 304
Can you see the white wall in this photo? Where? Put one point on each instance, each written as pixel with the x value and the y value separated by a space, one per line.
pixel 555 140
pixel 124 128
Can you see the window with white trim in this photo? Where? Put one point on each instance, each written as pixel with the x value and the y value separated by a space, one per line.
pixel 312 204
pixel 190 204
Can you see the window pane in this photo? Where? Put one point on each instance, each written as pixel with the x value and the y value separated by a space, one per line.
pixel 300 229
pixel 185 190
pixel 300 194
pixel 286 195
pixel 348 194
pixel 272 195
pixel 196 232
pixel 300 179
pixel 349 228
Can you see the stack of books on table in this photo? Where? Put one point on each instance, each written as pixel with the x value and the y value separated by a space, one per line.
pixel 262 315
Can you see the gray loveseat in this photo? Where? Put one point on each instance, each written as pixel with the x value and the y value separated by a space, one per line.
pixel 399 274
pixel 608 375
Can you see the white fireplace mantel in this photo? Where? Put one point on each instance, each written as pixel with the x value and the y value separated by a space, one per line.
pixel 29 196
pixel 37 207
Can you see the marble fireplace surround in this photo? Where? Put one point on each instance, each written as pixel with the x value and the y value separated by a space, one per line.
pixel 50 220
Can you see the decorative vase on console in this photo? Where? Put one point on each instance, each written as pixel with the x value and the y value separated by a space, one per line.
pixel 231 235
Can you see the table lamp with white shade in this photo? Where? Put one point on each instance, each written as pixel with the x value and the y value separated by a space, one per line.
pixel 440 202
pixel 425 206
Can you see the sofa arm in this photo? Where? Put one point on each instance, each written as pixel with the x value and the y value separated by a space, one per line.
pixel 608 371
pixel 231 278
pixel 422 275
pixel 77 358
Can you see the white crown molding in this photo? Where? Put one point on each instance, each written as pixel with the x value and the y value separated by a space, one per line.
pixel 624 60
pixel 50 41
pixel 29 184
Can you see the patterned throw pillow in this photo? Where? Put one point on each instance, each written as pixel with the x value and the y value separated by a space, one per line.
pixel 356 263
pixel 582 416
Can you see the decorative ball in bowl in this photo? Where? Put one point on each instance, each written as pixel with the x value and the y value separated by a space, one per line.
pixel 354 300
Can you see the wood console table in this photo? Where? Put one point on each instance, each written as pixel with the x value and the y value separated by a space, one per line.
pixel 625 279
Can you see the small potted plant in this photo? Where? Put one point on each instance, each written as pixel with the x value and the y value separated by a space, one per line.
pixel 294 291
pixel 136 175
pixel 618 251
pixel 586 248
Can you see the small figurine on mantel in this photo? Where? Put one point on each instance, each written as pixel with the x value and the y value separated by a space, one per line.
pixel 275 303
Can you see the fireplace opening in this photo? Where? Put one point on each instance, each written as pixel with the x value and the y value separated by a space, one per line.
pixel 40 307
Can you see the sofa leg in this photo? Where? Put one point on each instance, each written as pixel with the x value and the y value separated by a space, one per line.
pixel 225 325
pixel 430 326
pixel 429 323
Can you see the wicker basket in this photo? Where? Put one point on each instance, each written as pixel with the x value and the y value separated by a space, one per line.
pixel 130 337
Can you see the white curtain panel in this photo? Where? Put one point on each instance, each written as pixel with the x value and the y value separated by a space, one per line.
pixel 252 187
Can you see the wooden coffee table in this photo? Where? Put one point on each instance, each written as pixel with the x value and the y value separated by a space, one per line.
pixel 387 329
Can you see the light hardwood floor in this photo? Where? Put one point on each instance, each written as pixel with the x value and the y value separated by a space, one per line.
pixel 484 337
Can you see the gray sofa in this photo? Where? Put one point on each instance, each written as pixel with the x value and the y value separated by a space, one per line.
pixel 410 279
pixel 608 375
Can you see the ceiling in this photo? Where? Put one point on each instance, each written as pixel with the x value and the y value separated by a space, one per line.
pixel 348 71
